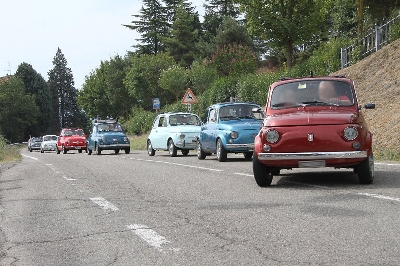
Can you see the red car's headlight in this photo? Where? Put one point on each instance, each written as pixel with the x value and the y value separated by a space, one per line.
pixel 272 136
pixel 350 133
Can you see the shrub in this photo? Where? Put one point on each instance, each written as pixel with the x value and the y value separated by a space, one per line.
pixel 254 87
pixel 394 32
pixel 139 122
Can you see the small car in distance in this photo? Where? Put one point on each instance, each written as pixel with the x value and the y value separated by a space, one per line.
pixel 71 139
pixel 34 144
pixel 313 122
pixel 107 135
pixel 172 132
pixel 229 128
pixel 49 143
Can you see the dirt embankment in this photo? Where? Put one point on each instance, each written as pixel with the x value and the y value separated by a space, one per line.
pixel 377 80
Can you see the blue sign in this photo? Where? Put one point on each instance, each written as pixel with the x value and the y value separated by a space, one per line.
pixel 156 103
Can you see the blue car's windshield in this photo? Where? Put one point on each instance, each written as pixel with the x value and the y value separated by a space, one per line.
pixel 184 120
pixel 239 111
pixel 109 127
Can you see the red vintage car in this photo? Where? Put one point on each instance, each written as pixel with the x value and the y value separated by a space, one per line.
pixel 313 123
pixel 71 139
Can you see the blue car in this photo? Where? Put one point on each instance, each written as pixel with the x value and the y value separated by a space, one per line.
pixel 107 135
pixel 172 132
pixel 229 128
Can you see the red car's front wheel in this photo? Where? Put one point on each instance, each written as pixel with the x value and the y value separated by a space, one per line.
pixel 262 174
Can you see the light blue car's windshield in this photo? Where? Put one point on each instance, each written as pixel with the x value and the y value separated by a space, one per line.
pixel 109 127
pixel 239 111
pixel 184 120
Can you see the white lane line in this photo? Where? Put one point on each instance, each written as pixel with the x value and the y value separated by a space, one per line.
pixel 30 157
pixel 305 184
pixel 388 164
pixel 242 174
pixel 104 204
pixel 151 237
pixel 68 179
pixel 379 196
pixel 194 166
pixel 49 164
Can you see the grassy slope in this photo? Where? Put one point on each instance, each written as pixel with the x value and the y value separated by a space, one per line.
pixel 10 154
pixel 138 142
pixel 377 80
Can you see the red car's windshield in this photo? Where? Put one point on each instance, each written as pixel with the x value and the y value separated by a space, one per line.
pixel 74 132
pixel 312 92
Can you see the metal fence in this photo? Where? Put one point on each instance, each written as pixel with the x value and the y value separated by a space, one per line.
pixel 369 44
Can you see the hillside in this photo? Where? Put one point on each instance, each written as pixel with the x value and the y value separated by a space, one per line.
pixel 377 80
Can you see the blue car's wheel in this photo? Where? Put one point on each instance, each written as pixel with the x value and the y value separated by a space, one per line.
pixel 222 153
pixel 201 155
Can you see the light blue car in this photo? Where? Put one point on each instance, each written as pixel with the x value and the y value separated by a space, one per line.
pixel 229 128
pixel 172 132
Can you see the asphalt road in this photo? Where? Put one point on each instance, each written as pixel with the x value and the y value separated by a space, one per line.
pixel 134 209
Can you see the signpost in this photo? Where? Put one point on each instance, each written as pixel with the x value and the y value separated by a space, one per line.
pixel 189 99
pixel 156 104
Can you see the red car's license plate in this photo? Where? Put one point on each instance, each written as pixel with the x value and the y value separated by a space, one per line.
pixel 312 164
pixel 77 148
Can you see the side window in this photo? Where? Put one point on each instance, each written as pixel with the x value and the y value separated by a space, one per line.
pixel 212 118
pixel 205 118
pixel 155 122
pixel 161 121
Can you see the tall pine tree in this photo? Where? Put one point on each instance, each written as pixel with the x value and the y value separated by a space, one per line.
pixel 36 85
pixel 64 95
pixel 182 43
pixel 152 24
pixel 215 12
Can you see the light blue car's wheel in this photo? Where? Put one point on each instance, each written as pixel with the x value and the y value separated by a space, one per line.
pixel 173 151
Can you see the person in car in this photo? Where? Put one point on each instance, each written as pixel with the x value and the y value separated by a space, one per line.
pixel 327 93
pixel 288 98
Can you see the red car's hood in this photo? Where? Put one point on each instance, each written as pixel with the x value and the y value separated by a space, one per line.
pixel 304 118
pixel 75 138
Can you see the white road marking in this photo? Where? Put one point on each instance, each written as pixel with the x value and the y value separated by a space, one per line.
pixel 104 204
pixel 242 174
pixel 305 184
pixel 48 164
pixel 379 196
pixel 150 236
pixel 194 166
pixel 388 164
pixel 30 157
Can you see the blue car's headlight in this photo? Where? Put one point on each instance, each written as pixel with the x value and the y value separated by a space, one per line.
pixel 234 135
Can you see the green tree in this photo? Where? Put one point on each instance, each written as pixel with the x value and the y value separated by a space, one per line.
pixel 18 110
pixel 175 80
pixel 202 77
pixel 181 45
pixel 142 78
pixel 64 95
pixel 285 24
pixel 231 32
pixel 343 18
pixel 104 94
pixel 234 60
pixel 36 85
pixel 152 24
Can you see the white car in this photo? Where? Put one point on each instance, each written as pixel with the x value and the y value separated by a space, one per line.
pixel 49 143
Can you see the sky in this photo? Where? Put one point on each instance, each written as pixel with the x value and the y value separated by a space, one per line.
pixel 87 32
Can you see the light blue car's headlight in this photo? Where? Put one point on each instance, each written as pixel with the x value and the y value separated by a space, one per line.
pixel 182 136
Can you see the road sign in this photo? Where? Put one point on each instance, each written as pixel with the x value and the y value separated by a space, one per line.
pixel 189 97
pixel 156 103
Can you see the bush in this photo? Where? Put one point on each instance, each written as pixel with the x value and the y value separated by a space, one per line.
pixel 255 87
pixel 394 32
pixel 139 122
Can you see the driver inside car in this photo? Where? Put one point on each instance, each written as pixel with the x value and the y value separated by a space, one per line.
pixel 327 93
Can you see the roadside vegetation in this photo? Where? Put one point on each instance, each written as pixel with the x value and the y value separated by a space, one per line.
pixel 139 143
pixel 8 153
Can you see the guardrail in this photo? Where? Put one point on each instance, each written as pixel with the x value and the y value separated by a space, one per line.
pixel 369 44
